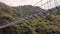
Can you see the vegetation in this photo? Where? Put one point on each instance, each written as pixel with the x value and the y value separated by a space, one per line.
pixel 48 24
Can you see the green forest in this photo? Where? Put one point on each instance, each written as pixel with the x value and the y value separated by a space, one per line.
pixel 47 24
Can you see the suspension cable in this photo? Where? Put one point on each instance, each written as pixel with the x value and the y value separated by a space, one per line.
pixel 42 4
pixel 38 2
pixel 45 3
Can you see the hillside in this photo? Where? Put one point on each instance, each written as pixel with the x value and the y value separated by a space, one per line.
pixel 47 24
pixel 55 10
pixel 7 14
pixel 27 10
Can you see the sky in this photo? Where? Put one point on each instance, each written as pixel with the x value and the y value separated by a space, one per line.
pixel 15 3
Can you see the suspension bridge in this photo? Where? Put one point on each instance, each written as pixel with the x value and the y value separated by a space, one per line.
pixel 36 15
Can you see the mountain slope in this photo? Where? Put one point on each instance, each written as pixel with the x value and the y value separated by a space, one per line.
pixel 55 10
pixel 6 14
pixel 48 24
pixel 27 10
